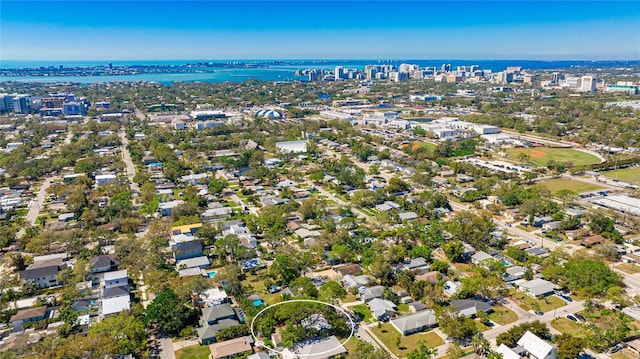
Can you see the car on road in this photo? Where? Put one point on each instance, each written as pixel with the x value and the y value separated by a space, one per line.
pixel 571 317
pixel 580 317
pixel 538 312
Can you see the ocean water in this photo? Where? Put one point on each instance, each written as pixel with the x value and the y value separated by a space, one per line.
pixel 269 70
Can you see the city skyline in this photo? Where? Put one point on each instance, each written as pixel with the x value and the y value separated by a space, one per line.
pixel 149 30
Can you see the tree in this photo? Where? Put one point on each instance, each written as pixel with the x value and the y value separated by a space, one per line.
pixel 364 350
pixel 454 250
pixel 331 291
pixel 454 351
pixel 510 337
pixel 422 352
pixel 126 335
pixel 232 332
pixel 284 269
pixel 569 347
pixel 169 314
pixel 305 287
pixel 456 326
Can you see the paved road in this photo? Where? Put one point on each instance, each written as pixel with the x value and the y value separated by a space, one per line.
pixel 37 203
pixel 129 167
pixel 166 349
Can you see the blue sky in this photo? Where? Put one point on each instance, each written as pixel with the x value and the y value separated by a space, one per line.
pixel 127 30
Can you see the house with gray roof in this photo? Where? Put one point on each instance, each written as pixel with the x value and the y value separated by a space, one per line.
pixel 382 309
pixel 414 323
pixel 370 293
pixel 538 287
pixel 350 281
pixel 470 307
pixel 216 318
pixel 42 277
pixel 327 348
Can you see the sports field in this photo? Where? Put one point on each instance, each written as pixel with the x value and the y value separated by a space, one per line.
pixel 558 184
pixel 630 175
pixel 540 156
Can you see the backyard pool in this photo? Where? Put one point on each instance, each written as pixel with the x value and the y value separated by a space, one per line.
pixel 211 274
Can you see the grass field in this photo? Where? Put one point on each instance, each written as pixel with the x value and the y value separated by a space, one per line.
pixel 363 312
pixel 558 184
pixel 388 336
pixel 546 304
pixel 426 145
pixel 566 326
pixel 194 352
pixel 502 315
pixel 540 156
pixel 630 175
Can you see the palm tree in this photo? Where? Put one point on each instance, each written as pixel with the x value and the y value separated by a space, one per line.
pixel 480 344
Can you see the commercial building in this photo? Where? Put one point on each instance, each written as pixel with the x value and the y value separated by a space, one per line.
pixel 588 83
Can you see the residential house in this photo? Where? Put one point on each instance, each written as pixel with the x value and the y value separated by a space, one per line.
pixel 407 216
pixel 352 269
pixel 44 276
pixel 216 318
pixel 216 214
pixel 328 348
pixel 537 348
pixel 514 273
pixel 370 293
pixel 414 323
pixel 538 287
pixel 166 208
pixel 452 288
pixel 481 256
pixel 28 315
pixel 416 264
pixel 551 226
pixel 470 307
pixel 115 279
pixel 195 262
pixel 188 249
pixel 432 277
pixel 350 281
pixel 382 309
pixel 103 263
pixel 592 240
pixel 231 348
pixel 507 353
pixel 416 306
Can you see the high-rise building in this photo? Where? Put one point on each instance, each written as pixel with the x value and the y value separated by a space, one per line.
pixel 556 77
pixel 313 76
pixel 18 103
pixel 588 83
pixel 339 73
pixel 446 67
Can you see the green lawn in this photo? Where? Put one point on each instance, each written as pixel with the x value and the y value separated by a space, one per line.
pixel 388 335
pixel 546 304
pixel 566 326
pixel 540 156
pixel 631 175
pixel 403 309
pixel 194 352
pixel 502 315
pixel 362 311
pixel 558 184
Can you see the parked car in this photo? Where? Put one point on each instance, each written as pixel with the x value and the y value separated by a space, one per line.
pixel 580 317
pixel 538 312
pixel 571 317
pixel 567 298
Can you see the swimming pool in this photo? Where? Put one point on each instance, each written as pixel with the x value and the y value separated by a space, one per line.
pixel 211 274
pixel 257 303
